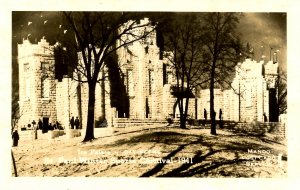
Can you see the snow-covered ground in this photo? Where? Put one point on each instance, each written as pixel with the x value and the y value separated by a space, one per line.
pixel 154 151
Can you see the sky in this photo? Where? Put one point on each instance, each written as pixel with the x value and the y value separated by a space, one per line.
pixel 262 30
pixel 265 31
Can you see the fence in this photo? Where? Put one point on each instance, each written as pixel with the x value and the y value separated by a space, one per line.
pixel 125 122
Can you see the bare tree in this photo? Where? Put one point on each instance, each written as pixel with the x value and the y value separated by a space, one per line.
pixel 223 50
pixel 281 89
pixel 16 113
pixel 98 35
pixel 184 38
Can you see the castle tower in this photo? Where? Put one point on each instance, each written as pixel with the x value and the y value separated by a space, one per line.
pixel 251 89
pixel 143 74
pixel 36 82
pixel 271 73
pixel 271 76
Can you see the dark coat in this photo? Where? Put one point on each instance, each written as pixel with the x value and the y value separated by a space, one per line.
pixel 77 123
pixel 40 124
pixel 15 137
pixel 72 122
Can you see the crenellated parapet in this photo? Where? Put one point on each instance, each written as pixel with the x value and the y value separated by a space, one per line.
pixel 42 48
pixel 271 73
pixel 249 69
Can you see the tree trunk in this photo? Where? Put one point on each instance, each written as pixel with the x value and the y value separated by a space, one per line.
pixel 182 115
pixel 182 122
pixel 89 135
pixel 79 105
pixel 212 110
pixel 186 110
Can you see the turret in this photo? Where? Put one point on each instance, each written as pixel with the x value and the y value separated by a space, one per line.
pixel 271 73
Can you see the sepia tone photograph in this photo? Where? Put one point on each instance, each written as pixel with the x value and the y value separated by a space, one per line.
pixel 149 94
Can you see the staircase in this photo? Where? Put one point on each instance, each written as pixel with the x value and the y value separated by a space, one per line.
pixel 125 122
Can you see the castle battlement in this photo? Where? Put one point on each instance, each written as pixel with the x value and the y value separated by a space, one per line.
pixel 271 68
pixel 249 69
pixel 271 73
pixel 42 48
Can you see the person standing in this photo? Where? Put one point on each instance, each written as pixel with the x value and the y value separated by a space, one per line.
pixel 33 124
pixel 205 116
pixel 265 117
pixel 58 125
pixel 77 123
pixel 220 114
pixel 15 137
pixel 50 127
pixel 220 118
pixel 72 122
pixel 54 126
pixel 40 124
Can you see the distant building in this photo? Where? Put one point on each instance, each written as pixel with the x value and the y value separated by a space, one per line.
pixel 251 92
pixel 146 78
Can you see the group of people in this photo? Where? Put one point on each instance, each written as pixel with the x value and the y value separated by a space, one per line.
pixel 220 114
pixel 220 117
pixel 44 126
pixel 48 126
pixel 74 123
